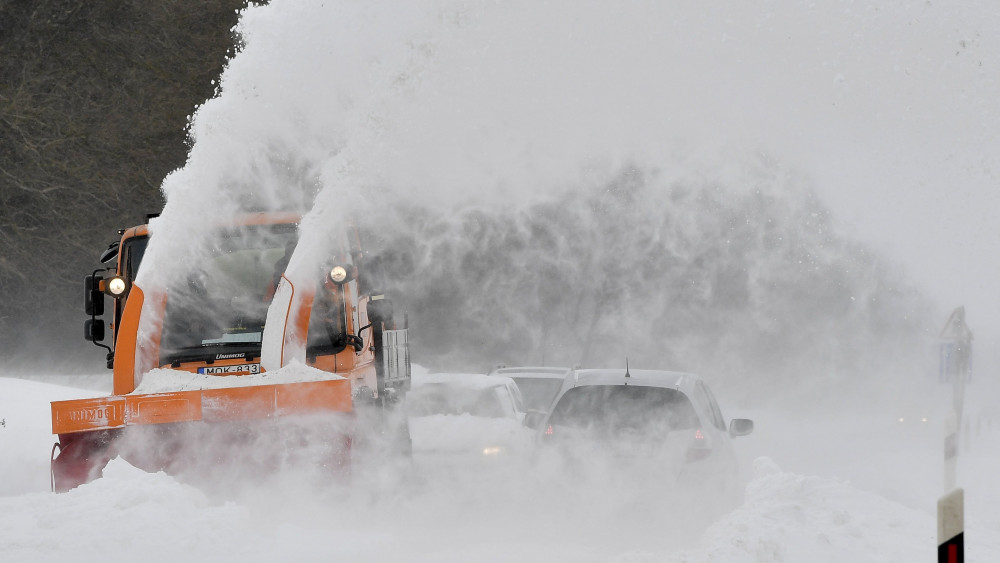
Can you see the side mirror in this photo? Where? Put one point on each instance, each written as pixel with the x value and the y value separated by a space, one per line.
pixel 740 427
pixel 93 330
pixel 111 253
pixel 93 297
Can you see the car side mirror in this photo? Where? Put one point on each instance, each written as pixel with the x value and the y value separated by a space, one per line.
pixel 740 427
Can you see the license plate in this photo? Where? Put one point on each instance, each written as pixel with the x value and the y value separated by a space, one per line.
pixel 239 369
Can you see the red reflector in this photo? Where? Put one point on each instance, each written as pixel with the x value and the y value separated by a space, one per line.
pixel 700 449
pixel 548 431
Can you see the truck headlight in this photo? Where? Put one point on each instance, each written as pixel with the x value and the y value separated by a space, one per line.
pixel 338 274
pixel 116 286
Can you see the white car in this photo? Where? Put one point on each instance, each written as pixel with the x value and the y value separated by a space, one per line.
pixel 626 418
pixel 454 415
pixel 538 385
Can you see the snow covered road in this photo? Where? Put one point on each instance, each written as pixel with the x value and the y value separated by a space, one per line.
pixel 800 505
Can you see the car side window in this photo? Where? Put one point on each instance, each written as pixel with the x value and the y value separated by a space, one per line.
pixel 706 397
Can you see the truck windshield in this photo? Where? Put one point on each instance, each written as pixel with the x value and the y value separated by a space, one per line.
pixel 220 306
pixel 131 253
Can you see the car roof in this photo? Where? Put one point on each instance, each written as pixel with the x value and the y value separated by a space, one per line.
pixel 532 372
pixel 467 380
pixel 640 377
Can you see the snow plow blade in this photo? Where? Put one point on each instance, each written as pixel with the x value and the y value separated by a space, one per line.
pixel 94 431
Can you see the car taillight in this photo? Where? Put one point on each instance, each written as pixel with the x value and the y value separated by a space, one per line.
pixel 700 447
pixel 548 431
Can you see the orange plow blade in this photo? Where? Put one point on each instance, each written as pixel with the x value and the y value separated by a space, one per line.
pixel 177 430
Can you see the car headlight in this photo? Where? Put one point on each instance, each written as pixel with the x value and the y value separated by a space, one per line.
pixel 493 450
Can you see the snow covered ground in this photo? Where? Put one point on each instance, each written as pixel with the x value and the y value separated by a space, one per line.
pixel 819 488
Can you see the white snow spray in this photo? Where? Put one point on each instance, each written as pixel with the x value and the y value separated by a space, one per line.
pixel 570 183
pixel 548 189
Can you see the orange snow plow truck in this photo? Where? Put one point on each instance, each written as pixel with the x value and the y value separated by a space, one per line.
pixel 235 357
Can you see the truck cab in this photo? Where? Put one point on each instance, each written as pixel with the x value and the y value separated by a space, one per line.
pixel 234 317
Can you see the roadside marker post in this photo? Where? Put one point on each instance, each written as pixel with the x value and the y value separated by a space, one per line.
pixel 951 540
pixel 956 352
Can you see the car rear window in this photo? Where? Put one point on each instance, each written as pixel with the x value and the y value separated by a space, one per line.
pixel 538 392
pixel 612 408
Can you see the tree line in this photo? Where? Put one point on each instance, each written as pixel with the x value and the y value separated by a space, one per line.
pixel 94 102
pixel 735 280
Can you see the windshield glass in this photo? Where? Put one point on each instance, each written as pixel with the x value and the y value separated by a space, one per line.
pixel 327 328
pixel 130 256
pixel 132 251
pixel 611 409
pixel 538 392
pixel 221 305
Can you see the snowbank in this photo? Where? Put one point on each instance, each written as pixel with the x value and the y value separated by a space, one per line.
pixel 163 380
pixel 26 432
